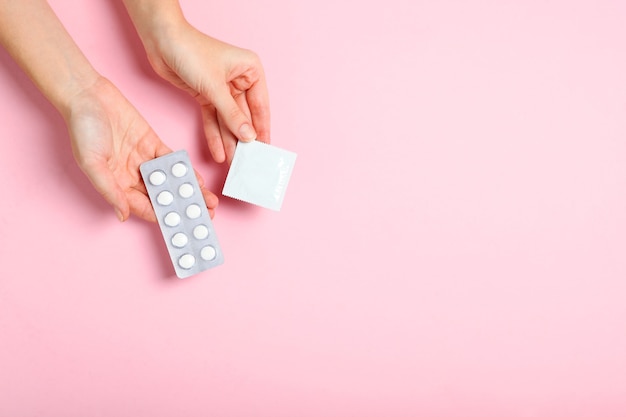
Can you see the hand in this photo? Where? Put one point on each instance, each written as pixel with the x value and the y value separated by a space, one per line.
pixel 228 83
pixel 110 139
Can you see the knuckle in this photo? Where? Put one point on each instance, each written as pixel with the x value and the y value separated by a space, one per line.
pixel 233 113
pixel 252 56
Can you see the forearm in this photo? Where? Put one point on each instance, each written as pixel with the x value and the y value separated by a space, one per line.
pixel 36 39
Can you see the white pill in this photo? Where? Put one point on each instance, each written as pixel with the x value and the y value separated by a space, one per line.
pixel 208 253
pixel 179 240
pixel 186 261
pixel 185 190
pixel 172 219
pixel 157 178
pixel 193 211
pixel 179 170
pixel 165 198
pixel 201 232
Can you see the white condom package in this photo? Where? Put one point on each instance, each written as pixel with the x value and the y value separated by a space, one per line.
pixel 259 174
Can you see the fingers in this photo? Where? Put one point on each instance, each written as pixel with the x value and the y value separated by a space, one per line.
pixel 212 133
pixel 105 183
pixel 210 199
pixel 161 149
pixel 242 102
pixel 228 140
pixel 257 99
pixel 140 205
pixel 232 115
pixel 219 138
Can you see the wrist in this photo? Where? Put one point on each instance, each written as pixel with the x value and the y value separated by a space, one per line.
pixel 38 42
pixel 67 96
pixel 155 21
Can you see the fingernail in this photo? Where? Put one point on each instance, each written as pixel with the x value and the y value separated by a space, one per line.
pixel 119 215
pixel 246 132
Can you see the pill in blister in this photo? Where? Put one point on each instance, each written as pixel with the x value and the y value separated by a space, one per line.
pixel 172 219
pixel 180 240
pixel 165 198
pixel 157 178
pixel 193 211
pixel 185 190
pixel 208 253
pixel 186 261
pixel 201 232
pixel 182 214
pixel 179 170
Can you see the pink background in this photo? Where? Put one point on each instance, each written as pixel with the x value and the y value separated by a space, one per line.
pixel 452 242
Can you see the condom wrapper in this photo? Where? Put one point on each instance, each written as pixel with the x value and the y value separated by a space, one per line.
pixel 259 174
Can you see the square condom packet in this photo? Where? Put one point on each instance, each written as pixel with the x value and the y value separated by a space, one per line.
pixel 259 174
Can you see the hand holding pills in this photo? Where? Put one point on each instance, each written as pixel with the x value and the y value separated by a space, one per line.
pixel 115 147
pixel 110 140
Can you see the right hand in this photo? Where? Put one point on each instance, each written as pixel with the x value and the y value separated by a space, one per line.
pixel 110 139
pixel 228 82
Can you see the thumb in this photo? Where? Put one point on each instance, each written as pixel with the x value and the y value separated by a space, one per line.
pixel 233 116
pixel 105 183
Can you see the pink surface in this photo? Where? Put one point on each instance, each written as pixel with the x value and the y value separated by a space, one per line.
pixel 452 242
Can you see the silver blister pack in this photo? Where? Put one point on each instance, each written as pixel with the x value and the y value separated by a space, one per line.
pixel 182 213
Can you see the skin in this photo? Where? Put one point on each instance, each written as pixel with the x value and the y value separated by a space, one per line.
pixel 109 138
pixel 228 82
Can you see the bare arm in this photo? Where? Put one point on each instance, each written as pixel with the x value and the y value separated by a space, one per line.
pixel 38 42
pixel 109 137
pixel 228 82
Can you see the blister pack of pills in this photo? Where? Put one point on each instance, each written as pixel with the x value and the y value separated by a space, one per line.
pixel 259 174
pixel 182 213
